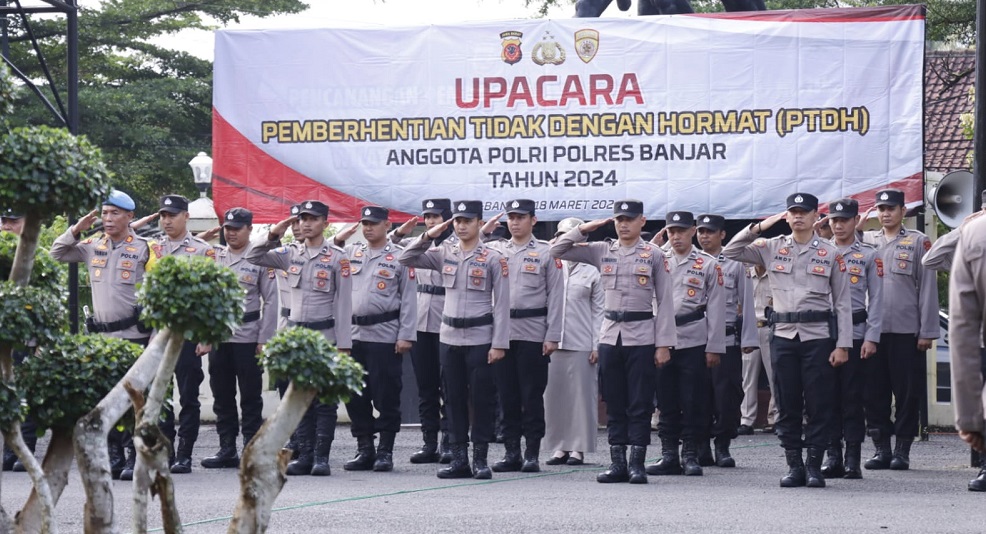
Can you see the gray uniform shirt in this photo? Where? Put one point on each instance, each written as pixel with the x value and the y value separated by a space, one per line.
pixel 476 283
pixel 635 279
pixel 939 256
pixel 967 321
pixel 260 285
pixel 538 282
pixel 115 272
pixel 909 290
pixel 582 315
pixel 320 282
pixel 380 285
pixel 695 283
pixel 739 303
pixel 762 299
pixel 187 245
pixel 866 287
pixel 430 306
pixel 283 297
pixel 809 277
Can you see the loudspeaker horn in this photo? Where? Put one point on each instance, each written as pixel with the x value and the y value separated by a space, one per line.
pixel 952 198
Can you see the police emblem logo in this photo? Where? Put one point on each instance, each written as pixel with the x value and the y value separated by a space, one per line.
pixel 449 269
pixel 131 249
pixel 779 267
pixel 127 264
pixel 799 198
pixel 366 211
pixel 607 269
pixel 706 220
pixel 694 281
pixel 462 207
pixel 858 255
pixel 624 206
pixel 385 273
pixel 511 52
pixel 477 281
pixel 322 274
pixel 381 285
pixel 818 269
pixel 167 202
pixel 644 255
pixel 784 251
pixel 548 52
pixel 854 279
pixel 699 261
pixel 530 268
pixel 902 265
pixel 586 44
pixel 477 272
pixel 676 217
pixel 294 210
pixel 308 205
pixel 515 204
pixel 839 207
pixel 326 258
pixel 855 270
pixel 97 273
pixel 229 216
pixel 389 257
pixel 822 252
pixel 885 196
pixel 691 292
pixel 320 283
pixel 430 204
pixel 125 275
pixel 642 280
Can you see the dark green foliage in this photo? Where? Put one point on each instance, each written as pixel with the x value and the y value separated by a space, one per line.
pixel 67 380
pixel 12 408
pixel 192 295
pixel 48 274
pixel 29 316
pixel 309 361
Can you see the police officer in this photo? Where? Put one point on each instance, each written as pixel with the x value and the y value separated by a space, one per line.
pixel 536 300
pixel 760 356
pixel 284 302
pixel 684 383
pixel 741 331
pixel 812 320
pixel 633 341
pixel 178 241
pixel 475 330
pixel 384 329
pixel 11 222
pixel 321 299
pixel 866 286
pixel 116 262
pixel 939 257
pixel 235 362
pixel 897 368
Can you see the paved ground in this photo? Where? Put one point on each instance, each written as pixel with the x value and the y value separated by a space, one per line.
pixel 930 498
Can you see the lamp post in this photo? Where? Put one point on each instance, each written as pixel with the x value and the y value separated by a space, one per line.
pixel 201 211
pixel 201 166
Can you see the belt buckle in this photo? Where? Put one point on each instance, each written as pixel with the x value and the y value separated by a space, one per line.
pixel 619 316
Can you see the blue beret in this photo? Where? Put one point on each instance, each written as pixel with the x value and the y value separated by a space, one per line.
pixel 120 200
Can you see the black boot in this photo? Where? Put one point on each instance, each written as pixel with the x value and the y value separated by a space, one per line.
pixel 795 477
pixel 705 458
pixel 881 459
pixel 428 454
pixel 128 468
pixel 902 455
pixel 292 444
pixel 834 468
pixel 723 458
pixel 852 460
pixel 9 458
pixel 511 458
pixel 306 456
pixel 459 465
pixel 445 451
pixel 979 483
pixel 670 462
pixel 531 454
pixel 366 455
pixel 225 458
pixel 385 452
pixel 480 469
pixel 617 471
pixel 183 458
pixel 689 455
pixel 813 468
pixel 320 464
pixel 638 475
pixel 118 460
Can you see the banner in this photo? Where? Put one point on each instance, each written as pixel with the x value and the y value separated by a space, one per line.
pixel 726 113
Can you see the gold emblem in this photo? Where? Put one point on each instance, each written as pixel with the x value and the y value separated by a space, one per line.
pixel 511 52
pixel 586 44
pixel 548 52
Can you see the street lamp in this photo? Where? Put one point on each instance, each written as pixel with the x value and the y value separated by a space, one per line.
pixel 201 166
pixel 201 211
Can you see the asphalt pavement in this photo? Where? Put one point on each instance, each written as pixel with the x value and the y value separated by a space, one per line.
pixel 930 498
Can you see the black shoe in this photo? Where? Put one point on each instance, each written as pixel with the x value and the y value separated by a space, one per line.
pixel 385 453
pixel 833 467
pixel 705 458
pixel 881 458
pixel 459 466
pixel 306 456
pixel 979 483
pixel 366 455
pixel 723 458
pixel 795 477
pixel 428 453
pixel 902 455
pixel 575 460
pixel 445 453
pixel 852 461
pixel 182 466
pixel 670 462
pixel 558 460
pixel 226 457
pixel 480 469
pixel 635 467
pixel 689 457
pixel 511 458
pixel 813 468
pixel 617 471
pixel 744 430
pixel 531 454
pixel 320 463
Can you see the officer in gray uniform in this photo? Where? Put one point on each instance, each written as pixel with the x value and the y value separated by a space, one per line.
pixel 116 262
pixel 384 328
pixel 634 340
pixel 812 320
pixel 321 299
pixel 234 363
pixel 897 370
pixel 939 257
pixel 866 286
pixel 536 300
pixel 760 356
pixel 741 331
pixel 475 330
pixel 684 385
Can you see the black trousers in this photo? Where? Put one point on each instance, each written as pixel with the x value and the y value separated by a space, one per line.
pixel 189 376
pixel 683 394
pixel 897 370
pixel 727 393
pixel 468 376
pixel 850 423
pixel 627 376
pixel 521 377
pixel 804 381
pixel 319 421
pixel 383 369
pixel 233 364
pixel 428 375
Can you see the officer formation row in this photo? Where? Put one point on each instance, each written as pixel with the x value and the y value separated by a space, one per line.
pixel 488 319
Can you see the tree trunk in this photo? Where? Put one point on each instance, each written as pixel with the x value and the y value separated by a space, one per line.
pixel 6 524
pixel 17 444
pixel 91 432
pixel 20 271
pixel 57 464
pixel 264 461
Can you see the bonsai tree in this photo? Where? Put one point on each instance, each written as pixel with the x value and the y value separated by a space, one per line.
pixel 315 369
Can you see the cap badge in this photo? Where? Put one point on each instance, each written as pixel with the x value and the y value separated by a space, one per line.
pixel 884 196
pixel 430 204
pixel 294 210
pixel 838 207
pixel 624 206
pixel 167 202
pixel 229 216
pixel 676 217
pixel 515 204
pixel 462 206
pixel 705 219
pixel 308 206
pixel 366 211
pixel 799 198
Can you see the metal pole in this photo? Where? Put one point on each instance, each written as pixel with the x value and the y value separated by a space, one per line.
pixel 72 16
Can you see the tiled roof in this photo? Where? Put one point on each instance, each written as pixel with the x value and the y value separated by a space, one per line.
pixel 947 79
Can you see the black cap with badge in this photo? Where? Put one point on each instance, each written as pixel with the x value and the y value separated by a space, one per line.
pixel 844 208
pixel 313 207
pixel 435 206
pixel 470 209
pixel 804 201
pixel 238 218
pixel 679 219
pixel 716 223
pixel 890 197
pixel 374 214
pixel 173 204
pixel 9 214
pixel 628 208
pixel 522 206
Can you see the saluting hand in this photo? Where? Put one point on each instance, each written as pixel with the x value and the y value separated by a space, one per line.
pixel 140 223
pixel 343 236
pixel 820 223
pixel 437 230
pixel 495 355
pixel 838 357
pixel 592 226
pixel 210 234
pixel 406 228
pixel 661 237
pixel 493 223
pixel 281 227
pixel 662 356
pixel 862 220
pixel 402 346
pixel 86 222
pixel 767 223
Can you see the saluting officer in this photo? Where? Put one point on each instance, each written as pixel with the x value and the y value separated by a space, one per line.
pixel 536 300
pixel 684 383
pixel 808 279
pixel 321 299
pixel 633 341
pixel 384 328
pixel 475 330
pixel 866 286
pixel 741 338
pixel 898 368
pixel 234 363
pixel 116 262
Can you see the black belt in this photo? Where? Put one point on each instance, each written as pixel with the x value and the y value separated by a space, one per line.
pixel 285 312
pixel 466 322
pixel 859 316
pixel 323 324
pixel 250 317
pixel 809 316
pixel 524 313
pixel 115 326
pixel 690 317
pixel 377 318
pixel 730 330
pixel 431 290
pixel 627 317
